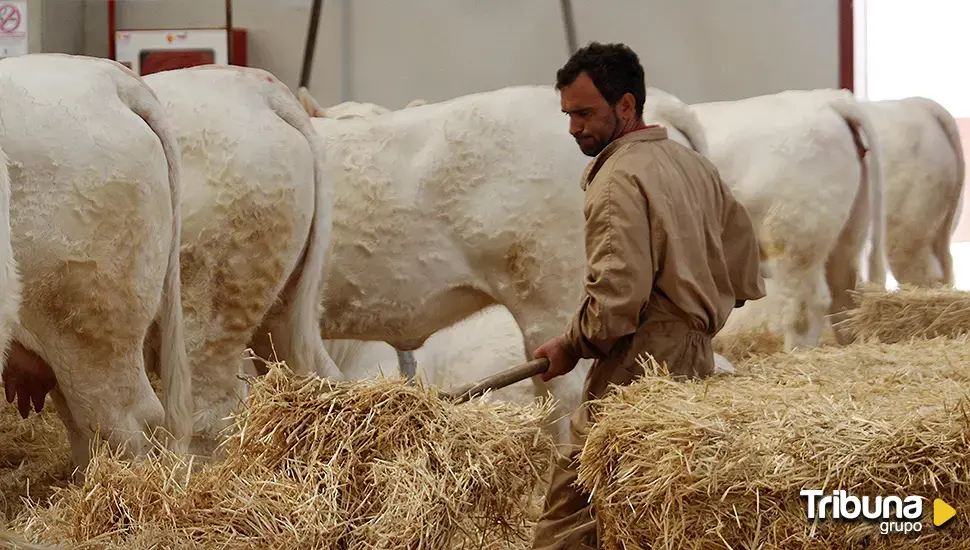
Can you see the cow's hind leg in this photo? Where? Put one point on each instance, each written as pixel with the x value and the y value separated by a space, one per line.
pixel 225 296
pixel 88 322
pixel 804 299
pixel 842 270
pixel 842 276
pixel 942 255
pixel 105 398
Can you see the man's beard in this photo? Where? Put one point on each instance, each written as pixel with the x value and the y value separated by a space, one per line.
pixel 597 146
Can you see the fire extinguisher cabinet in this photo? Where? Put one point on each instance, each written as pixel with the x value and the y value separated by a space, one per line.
pixel 148 51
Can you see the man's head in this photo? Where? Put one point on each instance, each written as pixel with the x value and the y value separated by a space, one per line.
pixel 602 89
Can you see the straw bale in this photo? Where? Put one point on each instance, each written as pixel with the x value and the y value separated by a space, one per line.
pixel 759 341
pixel 756 341
pixel 720 463
pixel 907 313
pixel 310 463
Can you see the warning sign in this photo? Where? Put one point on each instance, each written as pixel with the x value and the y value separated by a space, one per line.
pixel 13 28
pixel 10 18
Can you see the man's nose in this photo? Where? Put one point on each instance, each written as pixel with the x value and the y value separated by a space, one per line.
pixel 575 128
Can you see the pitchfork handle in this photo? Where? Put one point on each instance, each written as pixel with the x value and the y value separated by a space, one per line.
pixel 500 380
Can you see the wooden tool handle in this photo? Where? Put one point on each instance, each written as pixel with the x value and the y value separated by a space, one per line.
pixel 500 380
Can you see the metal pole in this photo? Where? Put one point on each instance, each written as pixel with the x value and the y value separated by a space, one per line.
pixel 346 54
pixel 229 31
pixel 406 363
pixel 566 7
pixel 311 43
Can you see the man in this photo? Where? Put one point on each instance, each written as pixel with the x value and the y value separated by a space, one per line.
pixel 670 252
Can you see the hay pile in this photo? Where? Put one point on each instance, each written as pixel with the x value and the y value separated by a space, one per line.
pixel 907 313
pixel 753 342
pixel 312 464
pixel 34 456
pixel 759 341
pixel 720 463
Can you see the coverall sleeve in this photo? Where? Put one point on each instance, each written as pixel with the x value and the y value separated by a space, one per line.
pixel 740 245
pixel 620 266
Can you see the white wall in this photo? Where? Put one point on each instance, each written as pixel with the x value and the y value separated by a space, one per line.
pixel 63 26
pixel 701 50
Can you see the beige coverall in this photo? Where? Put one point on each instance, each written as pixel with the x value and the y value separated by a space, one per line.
pixel 670 253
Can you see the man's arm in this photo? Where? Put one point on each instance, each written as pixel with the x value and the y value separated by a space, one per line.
pixel 739 242
pixel 620 266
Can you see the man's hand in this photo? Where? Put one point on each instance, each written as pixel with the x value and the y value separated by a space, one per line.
pixel 28 378
pixel 560 361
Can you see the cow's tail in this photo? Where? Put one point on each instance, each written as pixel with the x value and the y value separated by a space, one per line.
pixel 173 368
pixel 855 117
pixel 666 108
pixel 951 216
pixel 10 283
pixel 311 269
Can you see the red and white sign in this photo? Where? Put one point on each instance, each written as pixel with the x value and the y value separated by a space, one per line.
pixel 13 28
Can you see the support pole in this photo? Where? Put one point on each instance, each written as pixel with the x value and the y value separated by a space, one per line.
pixel 112 26
pixel 229 39
pixel 406 364
pixel 566 7
pixel 346 43
pixel 311 43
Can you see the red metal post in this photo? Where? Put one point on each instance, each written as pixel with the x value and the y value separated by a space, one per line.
pixel 111 29
pixel 846 46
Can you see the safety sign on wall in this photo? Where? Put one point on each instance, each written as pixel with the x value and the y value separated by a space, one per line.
pixel 13 28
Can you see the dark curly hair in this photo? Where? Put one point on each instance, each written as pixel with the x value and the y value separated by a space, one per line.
pixel 615 69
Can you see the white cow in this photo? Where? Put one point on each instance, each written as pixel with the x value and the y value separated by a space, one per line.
pixel 794 159
pixel 444 210
pixel 923 171
pixel 347 109
pixel 95 220
pixel 256 219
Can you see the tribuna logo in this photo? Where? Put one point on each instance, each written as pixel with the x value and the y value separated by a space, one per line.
pixel 895 514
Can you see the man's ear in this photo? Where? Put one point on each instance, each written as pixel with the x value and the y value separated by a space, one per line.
pixel 628 105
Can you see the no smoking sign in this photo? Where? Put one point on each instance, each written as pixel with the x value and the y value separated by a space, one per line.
pixel 10 18
pixel 13 28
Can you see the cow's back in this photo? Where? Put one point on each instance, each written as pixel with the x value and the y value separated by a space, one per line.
pixel 89 182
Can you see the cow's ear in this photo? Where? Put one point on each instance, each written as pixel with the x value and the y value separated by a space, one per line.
pixel 309 103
